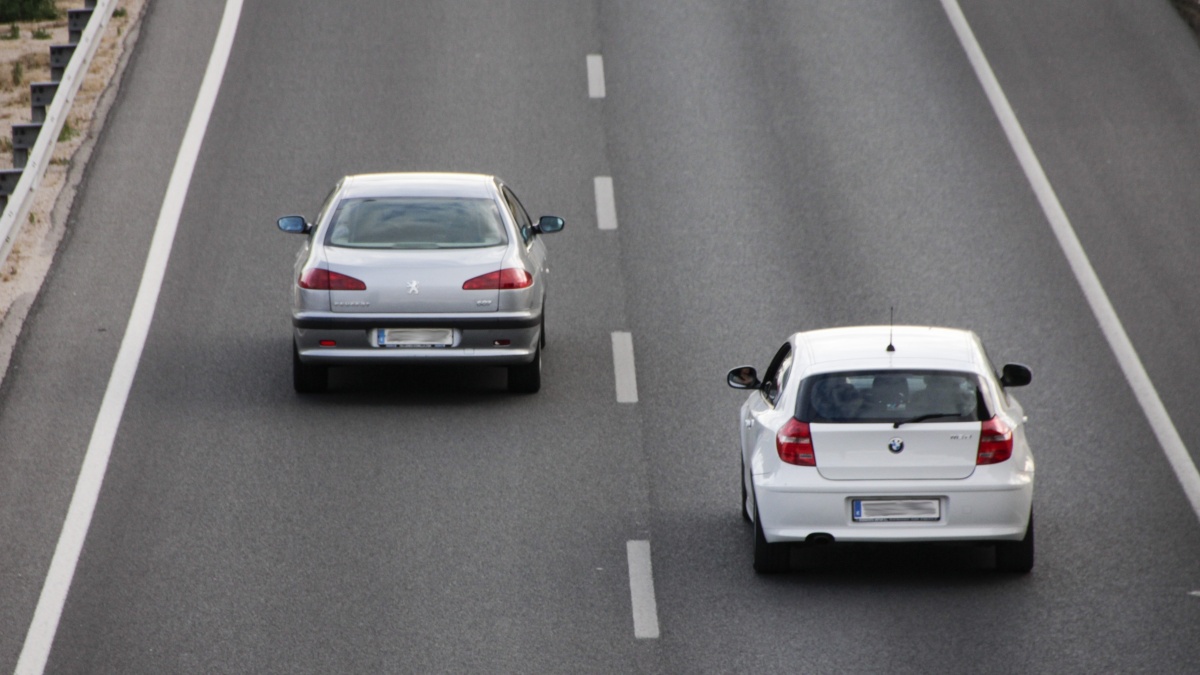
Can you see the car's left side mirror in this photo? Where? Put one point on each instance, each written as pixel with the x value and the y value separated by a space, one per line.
pixel 548 224
pixel 1015 375
pixel 293 224
pixel 743 377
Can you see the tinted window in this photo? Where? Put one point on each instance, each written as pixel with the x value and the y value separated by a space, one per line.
pixel 777 374
pixel 416 222
pixel 520 215
pixel 892 396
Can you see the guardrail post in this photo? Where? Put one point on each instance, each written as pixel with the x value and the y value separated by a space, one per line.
pixel 8 183
pixel 41 95
pixel 60 57
pixel 24 136
pixel 77 21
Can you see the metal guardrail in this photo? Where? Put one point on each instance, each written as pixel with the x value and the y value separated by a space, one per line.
pixel 85 28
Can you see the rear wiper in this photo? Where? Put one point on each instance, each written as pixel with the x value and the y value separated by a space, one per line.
pixel 922 418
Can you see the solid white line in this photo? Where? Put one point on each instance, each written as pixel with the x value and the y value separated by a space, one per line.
pixel 1152 406
pixel 641 590
pixel 595 72
pixel 44 625
pixel 623 368
pixel 606 203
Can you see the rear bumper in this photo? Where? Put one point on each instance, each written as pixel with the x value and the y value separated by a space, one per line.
pixel 990 505
pixel 491 339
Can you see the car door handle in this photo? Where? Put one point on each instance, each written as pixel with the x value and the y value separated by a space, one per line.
pixel 749 422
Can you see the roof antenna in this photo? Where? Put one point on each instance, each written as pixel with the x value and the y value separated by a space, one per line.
pixel 891 322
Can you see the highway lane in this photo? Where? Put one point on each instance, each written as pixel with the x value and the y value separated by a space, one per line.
pixel 849 164
pixel 778 167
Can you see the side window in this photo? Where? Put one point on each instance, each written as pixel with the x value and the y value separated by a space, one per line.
pixel 524 223
pixel 777 374
pixel 326 206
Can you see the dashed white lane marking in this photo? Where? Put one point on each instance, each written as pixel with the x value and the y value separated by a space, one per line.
pixel 1152 406
pixel 606 203
pixel 641 590
pixel 39 639
pixel 623 368
pixel 595 72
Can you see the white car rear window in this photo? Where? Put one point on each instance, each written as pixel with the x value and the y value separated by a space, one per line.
pixel 892 396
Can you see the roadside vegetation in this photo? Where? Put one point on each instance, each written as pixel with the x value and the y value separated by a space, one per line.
pixel 27 10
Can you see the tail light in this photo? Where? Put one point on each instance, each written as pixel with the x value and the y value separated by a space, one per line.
pixel 794 443
pixel 995 442
pixel 507 279
pixel 318 279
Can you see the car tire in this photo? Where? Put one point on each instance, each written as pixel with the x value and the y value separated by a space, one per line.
pixel 744 508
pixel 307 378
pixel 526 378
pixel 768 558
pixel 1016 556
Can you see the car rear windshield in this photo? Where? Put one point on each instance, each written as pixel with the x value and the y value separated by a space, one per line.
pixel 892 396
pixel 416 222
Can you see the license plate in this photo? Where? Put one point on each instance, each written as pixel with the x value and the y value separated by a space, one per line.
pixel 414 337
pixel 888 510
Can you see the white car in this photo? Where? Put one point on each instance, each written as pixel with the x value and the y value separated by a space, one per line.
pixel 885 434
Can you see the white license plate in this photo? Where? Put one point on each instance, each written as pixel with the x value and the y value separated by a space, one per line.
pixel 883 510
pixel 414 337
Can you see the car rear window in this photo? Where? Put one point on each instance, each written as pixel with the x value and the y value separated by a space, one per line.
pixel 892 396
pixel 416 222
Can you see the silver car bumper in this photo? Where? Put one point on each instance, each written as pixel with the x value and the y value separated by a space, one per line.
pixel 493 338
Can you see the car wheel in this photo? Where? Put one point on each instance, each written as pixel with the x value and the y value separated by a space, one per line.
pixel 1016 556
pixel 768 558
pixel 745 507
pixel 526 378
pixel 542 332
pixel 306 378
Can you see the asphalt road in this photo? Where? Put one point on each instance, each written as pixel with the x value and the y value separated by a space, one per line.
pixel 777 166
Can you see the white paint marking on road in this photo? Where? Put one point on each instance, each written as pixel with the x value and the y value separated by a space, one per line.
pixel 1152 406
pixel 39 639
pixel 606 203
pixel 641 590
pixel 1195 593
pixel 595 71
pixel 623 368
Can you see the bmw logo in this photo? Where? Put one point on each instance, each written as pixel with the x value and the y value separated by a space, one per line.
pixel 896 445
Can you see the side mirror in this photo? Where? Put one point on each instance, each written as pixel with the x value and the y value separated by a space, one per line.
pixel 743 377
pixel 293 224
pixel 548 224
pixel 1015 375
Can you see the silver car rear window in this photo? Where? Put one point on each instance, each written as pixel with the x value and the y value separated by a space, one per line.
pixel 892 396
pixel 416 222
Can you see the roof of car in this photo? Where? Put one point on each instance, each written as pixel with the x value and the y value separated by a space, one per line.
pixel 469 185
pixel 915 347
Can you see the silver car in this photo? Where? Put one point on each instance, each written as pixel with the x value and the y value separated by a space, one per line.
pixel 420 268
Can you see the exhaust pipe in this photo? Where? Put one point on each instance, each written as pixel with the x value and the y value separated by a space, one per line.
pixel 819 539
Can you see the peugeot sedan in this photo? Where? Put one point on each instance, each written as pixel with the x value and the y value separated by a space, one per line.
pixel 885 434
pixel 420 268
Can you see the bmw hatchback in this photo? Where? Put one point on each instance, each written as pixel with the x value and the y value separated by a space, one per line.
pixel 882 434
pixel 420 268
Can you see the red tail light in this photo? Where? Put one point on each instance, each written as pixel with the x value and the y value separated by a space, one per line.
pixel 794 443
pixel 506 279
pixel 319 279
pixel 995 442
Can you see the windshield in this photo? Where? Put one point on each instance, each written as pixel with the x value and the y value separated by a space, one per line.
pixel 416 222
pixel 893 396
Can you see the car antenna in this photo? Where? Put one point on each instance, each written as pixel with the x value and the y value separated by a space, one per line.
pixel 891 323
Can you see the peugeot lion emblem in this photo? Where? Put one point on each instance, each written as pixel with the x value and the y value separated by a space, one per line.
pixel 896 445
pixel 412 287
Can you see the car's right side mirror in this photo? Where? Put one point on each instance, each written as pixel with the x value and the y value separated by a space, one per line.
pixel 1015 375
pixel 548 224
